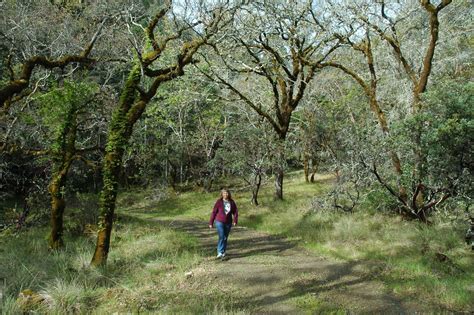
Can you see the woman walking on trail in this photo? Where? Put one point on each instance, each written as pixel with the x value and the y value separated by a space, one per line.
pixel 222 213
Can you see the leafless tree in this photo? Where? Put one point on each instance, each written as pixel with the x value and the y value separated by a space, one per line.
pixel 366 27
pixel 268 58
pixel 30 42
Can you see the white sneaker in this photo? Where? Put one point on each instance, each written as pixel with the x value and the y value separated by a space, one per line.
pixel 220 255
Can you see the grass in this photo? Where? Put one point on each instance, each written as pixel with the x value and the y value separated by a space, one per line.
pixel 148 262
pixel 406 253
pixel 146 272
pixel 309 304
pixel 403 254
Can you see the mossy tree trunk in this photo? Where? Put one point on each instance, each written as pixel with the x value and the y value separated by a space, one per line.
pixel 119 133
pixel 133 101
pixel 62 162
pixel 130 108
pixel 58 204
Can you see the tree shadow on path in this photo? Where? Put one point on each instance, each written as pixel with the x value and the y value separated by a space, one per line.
pixel 242 242
pixel 271 273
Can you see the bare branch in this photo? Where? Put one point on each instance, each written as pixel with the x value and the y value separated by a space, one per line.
pixel 16 86
pixel 224 82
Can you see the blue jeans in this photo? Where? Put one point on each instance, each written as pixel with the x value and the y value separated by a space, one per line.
pixel 223 231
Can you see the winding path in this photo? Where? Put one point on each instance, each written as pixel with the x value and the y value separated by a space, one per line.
pixel 275 276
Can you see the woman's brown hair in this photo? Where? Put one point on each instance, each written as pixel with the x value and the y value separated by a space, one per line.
pixel 228 192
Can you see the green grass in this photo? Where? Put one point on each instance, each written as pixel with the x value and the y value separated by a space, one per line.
pixel 400 253
pixel 405 252
pixel 309 304
pixel 146 272
pixel 148 262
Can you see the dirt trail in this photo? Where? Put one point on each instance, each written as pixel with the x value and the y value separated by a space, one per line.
pixel 275 276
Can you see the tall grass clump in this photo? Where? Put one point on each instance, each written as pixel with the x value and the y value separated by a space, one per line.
pixel 70 296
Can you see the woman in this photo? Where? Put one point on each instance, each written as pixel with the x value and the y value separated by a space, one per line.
pixel 224 209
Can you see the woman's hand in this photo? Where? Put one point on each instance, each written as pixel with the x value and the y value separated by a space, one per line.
pixel 210 226
pixel 234 224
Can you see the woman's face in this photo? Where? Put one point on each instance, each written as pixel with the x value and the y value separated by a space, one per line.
pixel 225 195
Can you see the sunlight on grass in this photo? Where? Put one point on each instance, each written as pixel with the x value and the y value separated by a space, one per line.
pixel 310 304
pixel 405 250
pixel 148 262
pixel 146 272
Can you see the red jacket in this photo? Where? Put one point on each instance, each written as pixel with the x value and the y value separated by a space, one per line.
pixel 218 212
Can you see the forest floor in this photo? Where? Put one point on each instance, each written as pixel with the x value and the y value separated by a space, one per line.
pixel 273 275
pixel 285 257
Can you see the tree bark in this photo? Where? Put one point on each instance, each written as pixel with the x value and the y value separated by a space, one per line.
pixel 58 202
pixel 256 188
pixel 279 167
pixel 63 161
pixel 58 205
pixel 279 184
pixel 306 168
pixel 119 134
